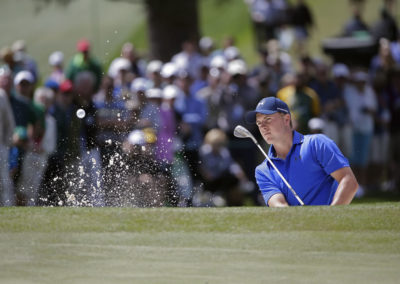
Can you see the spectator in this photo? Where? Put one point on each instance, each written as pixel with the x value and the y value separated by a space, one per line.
pixel 24 118
pixel 150 115
pixel 259 76
pixel 7 56
pixel 193 113
pixel 35 161
pixel 114 121
pixel 166 143
pixel 56 176
pixel 395 49
pixel 232 53
pixel 379 155
pixel 316 125
pixel 91 191
pixel 386 26
pixel 30 121
pixel 23 60
pixel 56 61
pixel 221 174
pixel 189 59
pixel 7 125
pixel 267 16
pixel 383 61
pixel 84 61
pixel 153 72
pixel 303 103
pixel 276 73
pixel 361 103
pixel 307 66
pixel 394 128
pixel 274 49
pixel 120 72
pixel 168 128
pixel 207 46
pixel 67 104
pixel 145 185
pixel 219 62
pixel 238 98
pixel 340 129
pixel 169 73
pixel 129 52
pixel 122 79
pixel 302 20
pixel 356 26
pixel 333 109
pixel 201 80
pixel 212 95
pixel 137 99
pixel 52 85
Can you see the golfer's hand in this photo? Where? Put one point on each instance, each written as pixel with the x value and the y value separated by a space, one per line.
pixel 277 200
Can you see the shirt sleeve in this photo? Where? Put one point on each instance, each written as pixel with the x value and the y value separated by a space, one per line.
pixel 266 183
pixel 328 154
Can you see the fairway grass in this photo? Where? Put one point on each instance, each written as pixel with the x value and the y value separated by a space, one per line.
pixel 348 244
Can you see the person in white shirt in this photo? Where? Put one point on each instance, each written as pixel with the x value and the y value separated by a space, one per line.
pixel 361 102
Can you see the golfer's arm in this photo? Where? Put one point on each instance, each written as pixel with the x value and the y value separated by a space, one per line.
pixel 277 200
pixel 347 186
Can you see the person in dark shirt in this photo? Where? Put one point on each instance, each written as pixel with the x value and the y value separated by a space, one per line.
pixel 355 25
pixel 302 20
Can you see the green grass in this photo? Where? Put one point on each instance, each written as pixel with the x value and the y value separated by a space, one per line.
pixel 350 244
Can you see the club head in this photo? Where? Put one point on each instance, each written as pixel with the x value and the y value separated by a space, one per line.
pixel 242 132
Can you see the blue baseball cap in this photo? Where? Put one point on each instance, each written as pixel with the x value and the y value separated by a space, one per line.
pixel 50 83
pixel 269 105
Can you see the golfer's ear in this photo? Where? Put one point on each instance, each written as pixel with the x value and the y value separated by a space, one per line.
pixel 288 119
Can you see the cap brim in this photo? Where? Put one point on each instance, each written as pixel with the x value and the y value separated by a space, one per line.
pixel 250 116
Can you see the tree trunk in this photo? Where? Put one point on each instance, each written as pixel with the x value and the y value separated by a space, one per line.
pixel 170 22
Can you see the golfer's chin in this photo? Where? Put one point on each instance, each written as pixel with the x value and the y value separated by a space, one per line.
pixel 268 138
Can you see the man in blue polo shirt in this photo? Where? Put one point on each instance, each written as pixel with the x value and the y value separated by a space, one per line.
pixel 312 164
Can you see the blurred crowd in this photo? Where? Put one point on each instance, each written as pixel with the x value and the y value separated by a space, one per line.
pixel 148 133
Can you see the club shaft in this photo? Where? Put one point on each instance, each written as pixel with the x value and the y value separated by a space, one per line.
pixel 279 173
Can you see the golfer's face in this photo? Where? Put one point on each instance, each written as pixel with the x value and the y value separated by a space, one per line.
pixel 271 126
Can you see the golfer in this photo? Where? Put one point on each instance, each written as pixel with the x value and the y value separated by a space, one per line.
pixel 312 164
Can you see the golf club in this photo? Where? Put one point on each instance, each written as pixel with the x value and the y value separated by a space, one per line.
pixel 242 132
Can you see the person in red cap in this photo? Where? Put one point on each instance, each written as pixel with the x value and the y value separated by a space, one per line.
pixel 83 45
pixel 67 146
pixel 84 61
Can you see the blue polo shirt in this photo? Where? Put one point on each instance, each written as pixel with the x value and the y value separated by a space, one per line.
pixel 307 168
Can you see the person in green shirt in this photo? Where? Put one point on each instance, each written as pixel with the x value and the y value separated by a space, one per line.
pixel 84 61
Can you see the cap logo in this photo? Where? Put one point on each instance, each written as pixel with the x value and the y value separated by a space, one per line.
pixel 281 109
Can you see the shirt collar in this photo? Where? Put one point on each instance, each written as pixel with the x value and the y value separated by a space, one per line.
pixel 297 139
